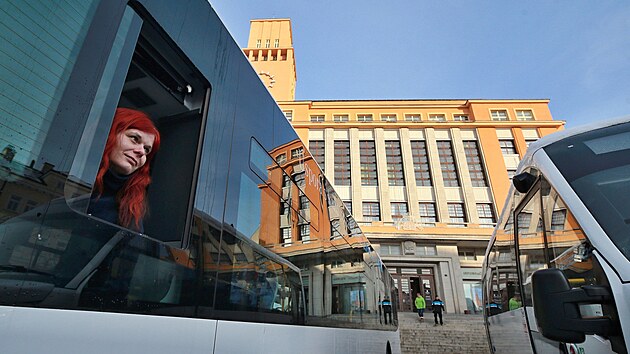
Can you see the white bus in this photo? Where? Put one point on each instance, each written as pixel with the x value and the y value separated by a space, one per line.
pixel 556 272
pixel 247 248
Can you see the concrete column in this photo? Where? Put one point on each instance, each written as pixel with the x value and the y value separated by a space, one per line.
pixel 464 176
pixel 436 176
pixel 355 173
pixel 381 169
pixel 410 175
pixel 317 290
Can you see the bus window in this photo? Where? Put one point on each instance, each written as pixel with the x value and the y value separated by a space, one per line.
pixel 531 243
pixel 157 80
pixel 567 244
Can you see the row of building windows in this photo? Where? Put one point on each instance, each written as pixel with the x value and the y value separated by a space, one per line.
pixel 496 115
pixel 427 213
pixel 276 43
pixel 394 160
pixel 267 55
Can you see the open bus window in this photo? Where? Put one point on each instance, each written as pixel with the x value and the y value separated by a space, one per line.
pixel 160 82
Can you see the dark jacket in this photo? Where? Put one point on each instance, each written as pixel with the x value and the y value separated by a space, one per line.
pixel 105 206
pixel 438 306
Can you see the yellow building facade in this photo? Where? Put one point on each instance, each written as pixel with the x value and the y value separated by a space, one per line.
pixel 425 179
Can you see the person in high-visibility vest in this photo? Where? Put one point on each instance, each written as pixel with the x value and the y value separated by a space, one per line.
pixel 421 304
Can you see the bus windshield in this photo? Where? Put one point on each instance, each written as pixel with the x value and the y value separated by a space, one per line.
pixel 597 166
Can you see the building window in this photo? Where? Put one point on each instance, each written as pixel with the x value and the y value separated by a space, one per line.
pixel 285 233
pixel 461 117
pixel 475 165
pixel 486 215
pixel 507 147
pixel 299 180
pixel 456 213
pixel 499 114
pixel 389 249
pixel 447 164
pixel 421 163
pixel 367 152
pixel 30 205
pixel 285 180
pixel 317 118
pixel 348 204
pixel 425 250
pixel 284 208
pixel 340 118
pixel 524 114
pixel 342 163
pixel 14 202
pixel 276 43
pixel 304 203
pixel 305 232
pixel 395 175
pixel 412 117
pixel 437 117
pixel 388 118
pixel 364 117
pixel 399 210
pixel 297 153
pixel 335 229
pixel 470 254
pixel 317 149
pixel 371 211
pixel 289 115
pixel 558 218
pixel 282 158
pixel 258 43
pixel 427 212
pixel 267 43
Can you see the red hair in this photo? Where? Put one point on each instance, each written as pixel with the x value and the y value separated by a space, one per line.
pixel 131 198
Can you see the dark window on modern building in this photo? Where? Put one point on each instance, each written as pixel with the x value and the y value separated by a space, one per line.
pixel 393 154
pixel 371 211
pixel 456 214
pixel 399 210
pixel 486 215
pixel 507 147
pixel 475 165
pixel 421 165
pixel 447 164
pixel 427 212
pixel 367 152
pixel 318 151
pixel 342 163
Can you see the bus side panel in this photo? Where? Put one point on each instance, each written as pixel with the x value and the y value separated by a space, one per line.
pixel 510 325
pixel 279 339
pixel 32 330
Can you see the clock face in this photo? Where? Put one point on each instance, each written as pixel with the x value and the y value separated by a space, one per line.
pixel 267 78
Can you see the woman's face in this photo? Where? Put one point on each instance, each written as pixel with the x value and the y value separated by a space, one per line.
pixel 130 151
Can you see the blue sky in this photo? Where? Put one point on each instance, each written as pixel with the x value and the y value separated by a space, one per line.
pixel 574 52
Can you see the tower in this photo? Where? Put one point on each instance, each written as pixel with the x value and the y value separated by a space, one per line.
pixel 270 50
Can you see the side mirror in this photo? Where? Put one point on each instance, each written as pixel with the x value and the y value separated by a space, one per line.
pixel 523 181
pixel 556 306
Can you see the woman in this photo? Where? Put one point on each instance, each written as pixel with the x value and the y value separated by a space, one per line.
pixel 120 189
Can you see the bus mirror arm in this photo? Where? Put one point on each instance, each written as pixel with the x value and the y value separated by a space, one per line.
pixel 556 307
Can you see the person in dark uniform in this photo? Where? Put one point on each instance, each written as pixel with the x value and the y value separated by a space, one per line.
pixel 387 309
pixel 438 307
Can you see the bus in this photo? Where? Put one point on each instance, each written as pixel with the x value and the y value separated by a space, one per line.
pixel 556 272
pixel 247 248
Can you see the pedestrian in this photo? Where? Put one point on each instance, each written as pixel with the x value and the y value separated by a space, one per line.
pixel 421 304
pixel 438 307
pixel 387 309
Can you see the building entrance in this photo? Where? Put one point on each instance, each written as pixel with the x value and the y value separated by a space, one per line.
pixel 411 284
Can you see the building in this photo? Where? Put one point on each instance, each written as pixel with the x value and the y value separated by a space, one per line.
pixel 425 179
